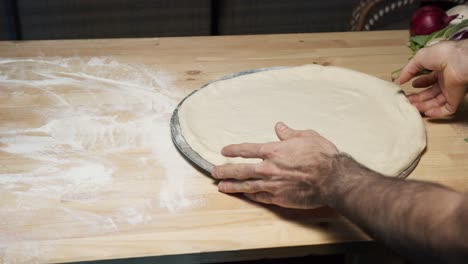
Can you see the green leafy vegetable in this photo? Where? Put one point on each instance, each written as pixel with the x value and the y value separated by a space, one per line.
pixel 466 139
pixel 419 42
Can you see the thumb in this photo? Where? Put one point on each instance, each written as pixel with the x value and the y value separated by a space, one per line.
pixel 284 132
pixel 432 58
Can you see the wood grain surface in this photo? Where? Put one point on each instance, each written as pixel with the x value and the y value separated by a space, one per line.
pixel 144 200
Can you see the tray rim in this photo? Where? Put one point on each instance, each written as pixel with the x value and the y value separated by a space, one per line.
pixel 182 145
pixel 176 131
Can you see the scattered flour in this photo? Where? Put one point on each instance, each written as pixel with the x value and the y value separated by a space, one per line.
pixel 100 115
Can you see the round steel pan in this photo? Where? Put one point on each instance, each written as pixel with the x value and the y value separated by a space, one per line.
pixel 184 147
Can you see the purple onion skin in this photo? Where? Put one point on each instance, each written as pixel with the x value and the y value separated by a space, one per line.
pixel 460 35
pixel 428 19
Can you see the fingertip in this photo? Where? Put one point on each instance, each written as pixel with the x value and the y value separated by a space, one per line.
pixel 408 72
pixel 400 81
pixel 280 126
pixel 221 187
pixel 439 112
pixel 281 130
pixel 431 113
pixel 416 104
pixel 229 151
pixel 413 100
pixel 225 150
pixel 434 112
pixel 214 172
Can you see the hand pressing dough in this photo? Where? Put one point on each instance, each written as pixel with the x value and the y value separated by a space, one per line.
pixel 366 117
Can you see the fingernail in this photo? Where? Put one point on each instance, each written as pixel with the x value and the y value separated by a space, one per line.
pixel 281 126
pixel 221 187
pixel 396 81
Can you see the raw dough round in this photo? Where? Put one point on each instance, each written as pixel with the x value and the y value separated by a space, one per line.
pixel 366 117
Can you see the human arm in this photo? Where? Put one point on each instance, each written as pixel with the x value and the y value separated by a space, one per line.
pixel 424 221
pixel 304 170
pixel 447 82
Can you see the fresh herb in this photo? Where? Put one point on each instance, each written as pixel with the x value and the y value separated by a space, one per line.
pixel 466 140
pixel 419 42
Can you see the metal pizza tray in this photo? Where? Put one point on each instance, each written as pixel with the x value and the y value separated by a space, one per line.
pixel 192 155
pixel 176 131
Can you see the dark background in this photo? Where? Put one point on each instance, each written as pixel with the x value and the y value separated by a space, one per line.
pixel 81 19
pixel 72 19
pixel 63 19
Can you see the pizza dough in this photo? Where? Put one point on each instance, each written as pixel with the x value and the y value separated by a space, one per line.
pixel 366 117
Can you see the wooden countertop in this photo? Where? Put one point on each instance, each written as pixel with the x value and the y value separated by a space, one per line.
pixel 88 170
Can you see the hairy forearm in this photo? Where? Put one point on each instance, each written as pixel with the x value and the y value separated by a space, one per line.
pixel 462 56
pixel 421 220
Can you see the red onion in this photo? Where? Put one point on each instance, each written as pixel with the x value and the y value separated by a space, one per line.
pixel 461 35
pixel 429 19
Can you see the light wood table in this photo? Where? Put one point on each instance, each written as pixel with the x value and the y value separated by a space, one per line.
pixel 109 199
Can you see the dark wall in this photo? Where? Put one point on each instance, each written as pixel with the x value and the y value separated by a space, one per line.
pixel 74 19
pixel 3 25
pixel 283 16
pixel 59 19
pixel 69 19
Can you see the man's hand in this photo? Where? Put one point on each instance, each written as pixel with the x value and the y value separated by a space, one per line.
pixel 291 173
pixel 447 82
pixel 425 221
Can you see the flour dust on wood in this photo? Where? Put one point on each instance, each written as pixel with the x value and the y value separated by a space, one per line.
pixel 85 144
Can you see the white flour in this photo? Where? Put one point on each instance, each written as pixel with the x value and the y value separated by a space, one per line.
pixel 100 116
